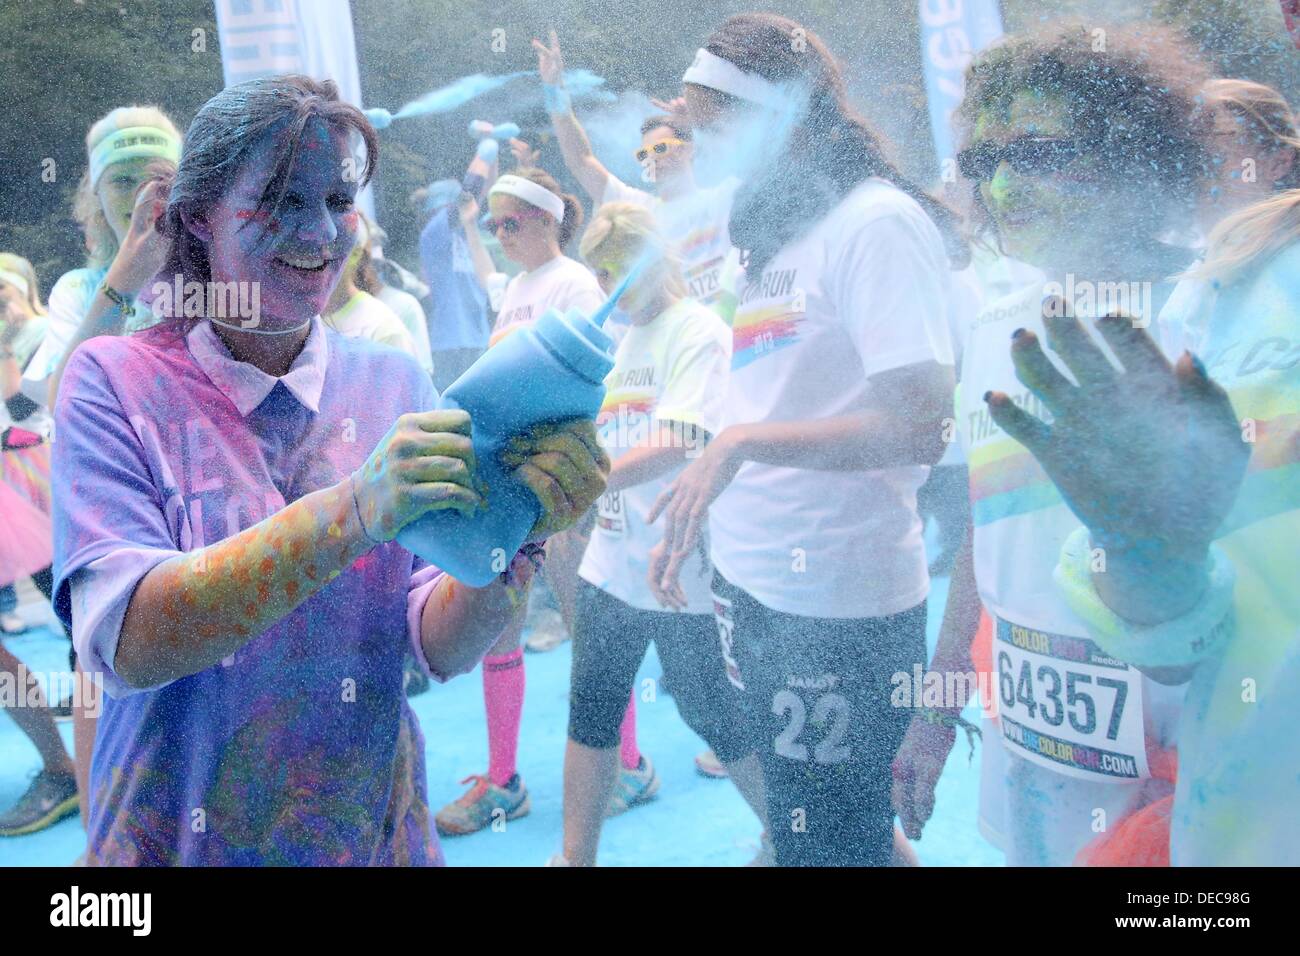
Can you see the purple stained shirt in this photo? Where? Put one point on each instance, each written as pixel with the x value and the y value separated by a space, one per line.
pixel 300 749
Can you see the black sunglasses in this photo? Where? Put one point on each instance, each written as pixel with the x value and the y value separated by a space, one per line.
pixel 1028 154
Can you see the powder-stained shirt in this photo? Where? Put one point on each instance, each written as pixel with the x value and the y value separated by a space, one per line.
pixel 298 749
pixel 1238 752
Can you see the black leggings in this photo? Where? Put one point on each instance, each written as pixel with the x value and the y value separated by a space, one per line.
pixel 610 639
pixel 818 695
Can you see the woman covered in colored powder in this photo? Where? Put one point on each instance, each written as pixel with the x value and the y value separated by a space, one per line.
pixel 1081 741
pixel 841 377
pixel 227 494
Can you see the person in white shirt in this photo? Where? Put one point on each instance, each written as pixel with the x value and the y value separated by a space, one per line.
pixel 132 151
pixel 401 292
pixel 534 222
pixel 692 217
pixel 841 379
pixel 357 313
pixel 665 396
pixel 131 155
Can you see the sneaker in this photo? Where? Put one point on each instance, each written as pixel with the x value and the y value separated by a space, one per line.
pixel 708 765
pixel 11 624
pixel 474 811
pixel 559 859
pixel 634 788
pixel 50 798
pixel 547 633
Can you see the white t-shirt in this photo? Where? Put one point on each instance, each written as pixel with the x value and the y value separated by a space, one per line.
pixel 407 308
pixel 365 317
pixel 560 284
pixel 866 290
pixel 673 369
pixel 696 225
pixel 69 303
pixel 967 300
pixel 1074 738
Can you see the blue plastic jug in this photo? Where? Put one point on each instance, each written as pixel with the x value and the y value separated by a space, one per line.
pixel 554 369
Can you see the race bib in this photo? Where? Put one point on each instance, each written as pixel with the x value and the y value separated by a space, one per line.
pixel 726 638
pixel 1064 704
pixel 609 513
pixel 705 283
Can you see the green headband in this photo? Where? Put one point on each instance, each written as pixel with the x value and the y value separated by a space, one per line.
pixel 132 143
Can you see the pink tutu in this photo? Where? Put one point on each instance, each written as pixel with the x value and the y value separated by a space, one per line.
pixel 26 536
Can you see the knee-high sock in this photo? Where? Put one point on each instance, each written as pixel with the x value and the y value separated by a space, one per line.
pixel 627 748
pixel 503 693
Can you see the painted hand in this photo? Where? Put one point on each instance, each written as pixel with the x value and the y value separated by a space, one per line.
pixel 1150 457
pixel 564 466
pixel 425 463
pixel 916 770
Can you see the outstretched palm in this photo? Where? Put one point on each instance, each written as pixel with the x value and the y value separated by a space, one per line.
pixel 1149 457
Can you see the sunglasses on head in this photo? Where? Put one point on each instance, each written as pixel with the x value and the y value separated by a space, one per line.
pixel 660 148
pixel 511 224
pixel 1028 154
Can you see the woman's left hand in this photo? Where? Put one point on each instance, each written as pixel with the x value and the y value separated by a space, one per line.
pixel 564 466
pixel 685 503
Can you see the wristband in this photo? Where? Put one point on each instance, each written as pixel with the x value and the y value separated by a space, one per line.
pixel 118 299
pixel 557 99
pixel 1176 643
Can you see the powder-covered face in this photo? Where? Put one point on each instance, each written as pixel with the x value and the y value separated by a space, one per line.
pixel 674 163
pixel 1052 218
pixel 735 139
pixel 529 237
pixel 611 263
pixel 296 252
pixel 116 190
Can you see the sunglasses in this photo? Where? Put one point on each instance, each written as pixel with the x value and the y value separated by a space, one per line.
pixel 660 148
pixel 511 224
pixel 1031 155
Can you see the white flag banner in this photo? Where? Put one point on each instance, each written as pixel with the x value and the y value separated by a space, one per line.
pixel 272 37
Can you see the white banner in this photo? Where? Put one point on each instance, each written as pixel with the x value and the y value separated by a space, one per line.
pixel 270 37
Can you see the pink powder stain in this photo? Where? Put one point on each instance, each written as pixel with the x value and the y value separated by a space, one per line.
pixel 262 216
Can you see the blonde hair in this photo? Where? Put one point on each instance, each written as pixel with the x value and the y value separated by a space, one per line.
pixel 101 241
pixel 12 262
pixel 1266 114
pixel 630 228
pixel 1251 236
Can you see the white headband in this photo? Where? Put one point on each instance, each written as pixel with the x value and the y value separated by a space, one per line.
pixel 725 77
pixel 531 193
pixel 14 279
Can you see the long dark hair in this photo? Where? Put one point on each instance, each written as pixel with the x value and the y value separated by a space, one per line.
pixel 1138 105
pixel 225 130
pixel 833 150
